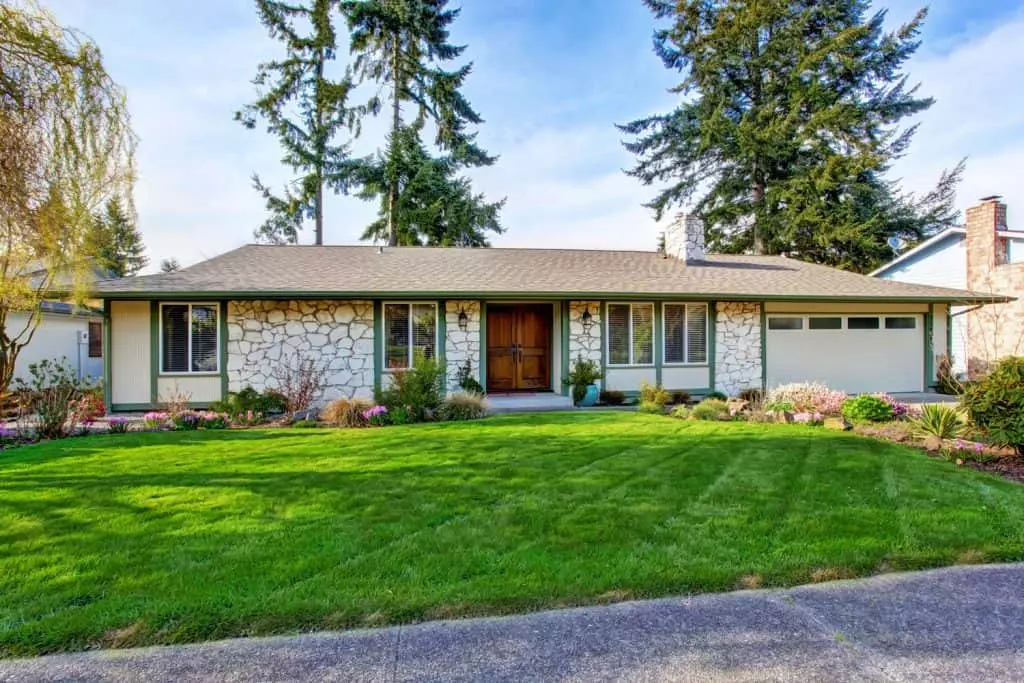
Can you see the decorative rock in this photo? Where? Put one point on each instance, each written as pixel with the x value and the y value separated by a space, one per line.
pixel 737 346
pixel 585 343
pixel 462 346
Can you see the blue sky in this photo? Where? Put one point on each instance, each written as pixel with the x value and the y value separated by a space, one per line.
pixel 550 78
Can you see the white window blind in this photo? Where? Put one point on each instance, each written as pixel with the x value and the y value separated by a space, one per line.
pixel 630 334
pixel 189 338
pixel 686 333
pixel 411 334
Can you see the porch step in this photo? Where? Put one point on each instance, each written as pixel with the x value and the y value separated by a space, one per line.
pixel 528 403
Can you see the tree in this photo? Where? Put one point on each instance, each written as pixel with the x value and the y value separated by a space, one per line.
pixel 66 148
pixel 169 265
pixel 115 241
pixel 789 120
pixel 399 44
pixel 306 111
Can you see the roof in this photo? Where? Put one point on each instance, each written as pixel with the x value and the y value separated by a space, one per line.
pixel 363 271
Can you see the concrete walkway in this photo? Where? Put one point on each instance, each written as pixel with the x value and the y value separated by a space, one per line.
pixel 957 624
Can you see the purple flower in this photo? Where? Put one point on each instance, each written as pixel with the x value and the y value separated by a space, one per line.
pixel 374 412
pixel 118 420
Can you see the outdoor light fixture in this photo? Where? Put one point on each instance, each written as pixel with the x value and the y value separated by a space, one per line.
pixel 463 319
pixel 586 319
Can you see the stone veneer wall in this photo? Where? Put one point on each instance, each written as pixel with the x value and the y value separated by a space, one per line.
pixel 583 343
pixel 462 346
pixel 263 334
pixel 738 346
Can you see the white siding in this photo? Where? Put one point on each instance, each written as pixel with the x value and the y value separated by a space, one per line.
pixel 58 336
pixel 943 265
pixel 630 379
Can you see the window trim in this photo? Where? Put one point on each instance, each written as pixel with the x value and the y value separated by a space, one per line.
pixel 384 330
pixel 686 337
pixel 89 339
pixel 608 339
pixel 160 325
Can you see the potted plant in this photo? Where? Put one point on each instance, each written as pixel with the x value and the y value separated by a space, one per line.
pixel 582 378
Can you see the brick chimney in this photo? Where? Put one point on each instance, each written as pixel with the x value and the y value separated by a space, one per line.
pixel 684 239
pixel 985 249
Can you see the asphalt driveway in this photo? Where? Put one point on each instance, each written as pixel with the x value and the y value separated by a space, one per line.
pixel 961 623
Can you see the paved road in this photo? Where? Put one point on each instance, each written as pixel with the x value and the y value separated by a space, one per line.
pixel 957 624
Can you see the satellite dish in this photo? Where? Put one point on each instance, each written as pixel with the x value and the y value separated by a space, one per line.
pixel 896 243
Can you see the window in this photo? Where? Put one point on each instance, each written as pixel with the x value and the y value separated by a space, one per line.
pixel 824 323
pixel 189 338
pixel 862 323
pixel 630 334
pixel 902 323
pixel 785 323
pixel 410 333
pixel 686 333
pixel 95 339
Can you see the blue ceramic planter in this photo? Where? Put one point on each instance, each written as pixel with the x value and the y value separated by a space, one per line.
pixel 591 398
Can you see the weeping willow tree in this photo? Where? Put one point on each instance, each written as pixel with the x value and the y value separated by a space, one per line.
pixel 66 149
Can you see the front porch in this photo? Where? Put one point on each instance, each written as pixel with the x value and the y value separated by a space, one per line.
pixel 527 402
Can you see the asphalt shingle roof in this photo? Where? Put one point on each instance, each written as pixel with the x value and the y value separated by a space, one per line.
pixel 398 271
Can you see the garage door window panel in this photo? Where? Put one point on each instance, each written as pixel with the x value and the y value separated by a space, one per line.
pixel 862 323
pixel 787 323
pixel 825 323
pixel 901 323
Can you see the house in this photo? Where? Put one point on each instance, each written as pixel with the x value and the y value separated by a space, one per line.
pixel 984 255
pixel 515 319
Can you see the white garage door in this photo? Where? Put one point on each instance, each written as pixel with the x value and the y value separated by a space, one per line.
pixel 857 353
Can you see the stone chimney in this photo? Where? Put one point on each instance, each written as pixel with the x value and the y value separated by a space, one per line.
pixel 985 248
pixel 684 239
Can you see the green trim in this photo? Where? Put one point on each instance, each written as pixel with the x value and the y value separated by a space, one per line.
pixel 949 332
pixel 483 345
pixel 929 360
pixel 107 365
pixel 574 296
pixel 154 350
pixel 564 321
pixel 659 343
pixel 603 307
pixel 712 333
pixel 632 393
pixel 378 343
pixel 764 348
pixel 442 337
pixel 223 361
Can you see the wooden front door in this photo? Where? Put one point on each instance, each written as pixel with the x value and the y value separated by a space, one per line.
pixel 519 347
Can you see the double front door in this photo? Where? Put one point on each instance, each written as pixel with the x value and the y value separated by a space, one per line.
pixel 518 347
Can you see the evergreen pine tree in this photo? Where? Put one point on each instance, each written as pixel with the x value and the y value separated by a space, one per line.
pixel 115 241
pixel 788 122
pixel 306 111
pixel 401 45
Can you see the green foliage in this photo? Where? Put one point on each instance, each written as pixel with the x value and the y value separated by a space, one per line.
pixel 867 408
pixel 944 422
pixel 680 411
pixel 186 421
pixel 611 397
pixel 946 378
pixel 248 400
pixel 414 394
pixel 467 382
pixel 653 393
pixel 716 395
pixel 710 409
pixel 780 407
pixel 49 397
pixel 651 407
pixel 346 412
pixel 115 241
pixel 584 372
pixel 995 404
pixel 788 120
pixel 305 424
pixel 681 397
pixel 169 265
pixel 462 406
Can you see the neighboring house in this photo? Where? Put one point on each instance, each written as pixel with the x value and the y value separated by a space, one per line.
pixel 515 319
pixel 983 256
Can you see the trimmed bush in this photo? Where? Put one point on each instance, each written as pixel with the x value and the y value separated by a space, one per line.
pixel 653 393
pixel 943 422
pixel 651 407
pixel 867 408
pixel 710 409
pixel 250 401
pixel 681 398
pixel 462 406
pixel 681 412
pixel 801 395
pixel 716 396
pixel 611 397
pixel 996 403
pixel 584 372
pixel 346 412
pixel 416 391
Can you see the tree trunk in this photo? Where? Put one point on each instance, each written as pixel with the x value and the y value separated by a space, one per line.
pixel 396 121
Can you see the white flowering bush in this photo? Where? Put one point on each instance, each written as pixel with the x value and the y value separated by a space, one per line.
pixel 801 395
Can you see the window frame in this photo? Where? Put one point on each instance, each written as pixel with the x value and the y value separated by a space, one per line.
pixel 686 337
pixel 215 305
pixel 793 316
pixel 913 317
pixel 99 339
pixel 384 330
pixel 607 331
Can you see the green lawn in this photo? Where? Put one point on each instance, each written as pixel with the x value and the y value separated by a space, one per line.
pixel 176 537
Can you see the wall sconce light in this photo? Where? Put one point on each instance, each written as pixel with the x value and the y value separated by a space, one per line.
pixel 586 319
pixel 463 319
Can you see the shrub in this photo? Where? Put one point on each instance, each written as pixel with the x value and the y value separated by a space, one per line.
pixel 611 397
pixel 398 416
pixel 175 401
pixel 156 419
pixel 50 393
pixel 653 393
pixel 87 409
pixel 305 424
pixel 467 382
pixel 996 403
pixel 753 396
pixel 249 418
pixel 946 380
pixel 417 391
pixel 249 400
pixel 808 418
pixel 463 406
pixel 12 437
pixel 376 416
pixel 117 425
pixel 584 372
pixel 681 398
pixel 801 395
pixel 710 409
pixel 760 417
pixel 964 451
pixel 867 408
pixel 186 420
pixel 829 403
pixel 211 419
pixel 680 412
pixel 943 422
pixel 300 381
pixel 651 407
pixel 780 407
pixel 716 396
pixel 899 410
pixel 346 412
